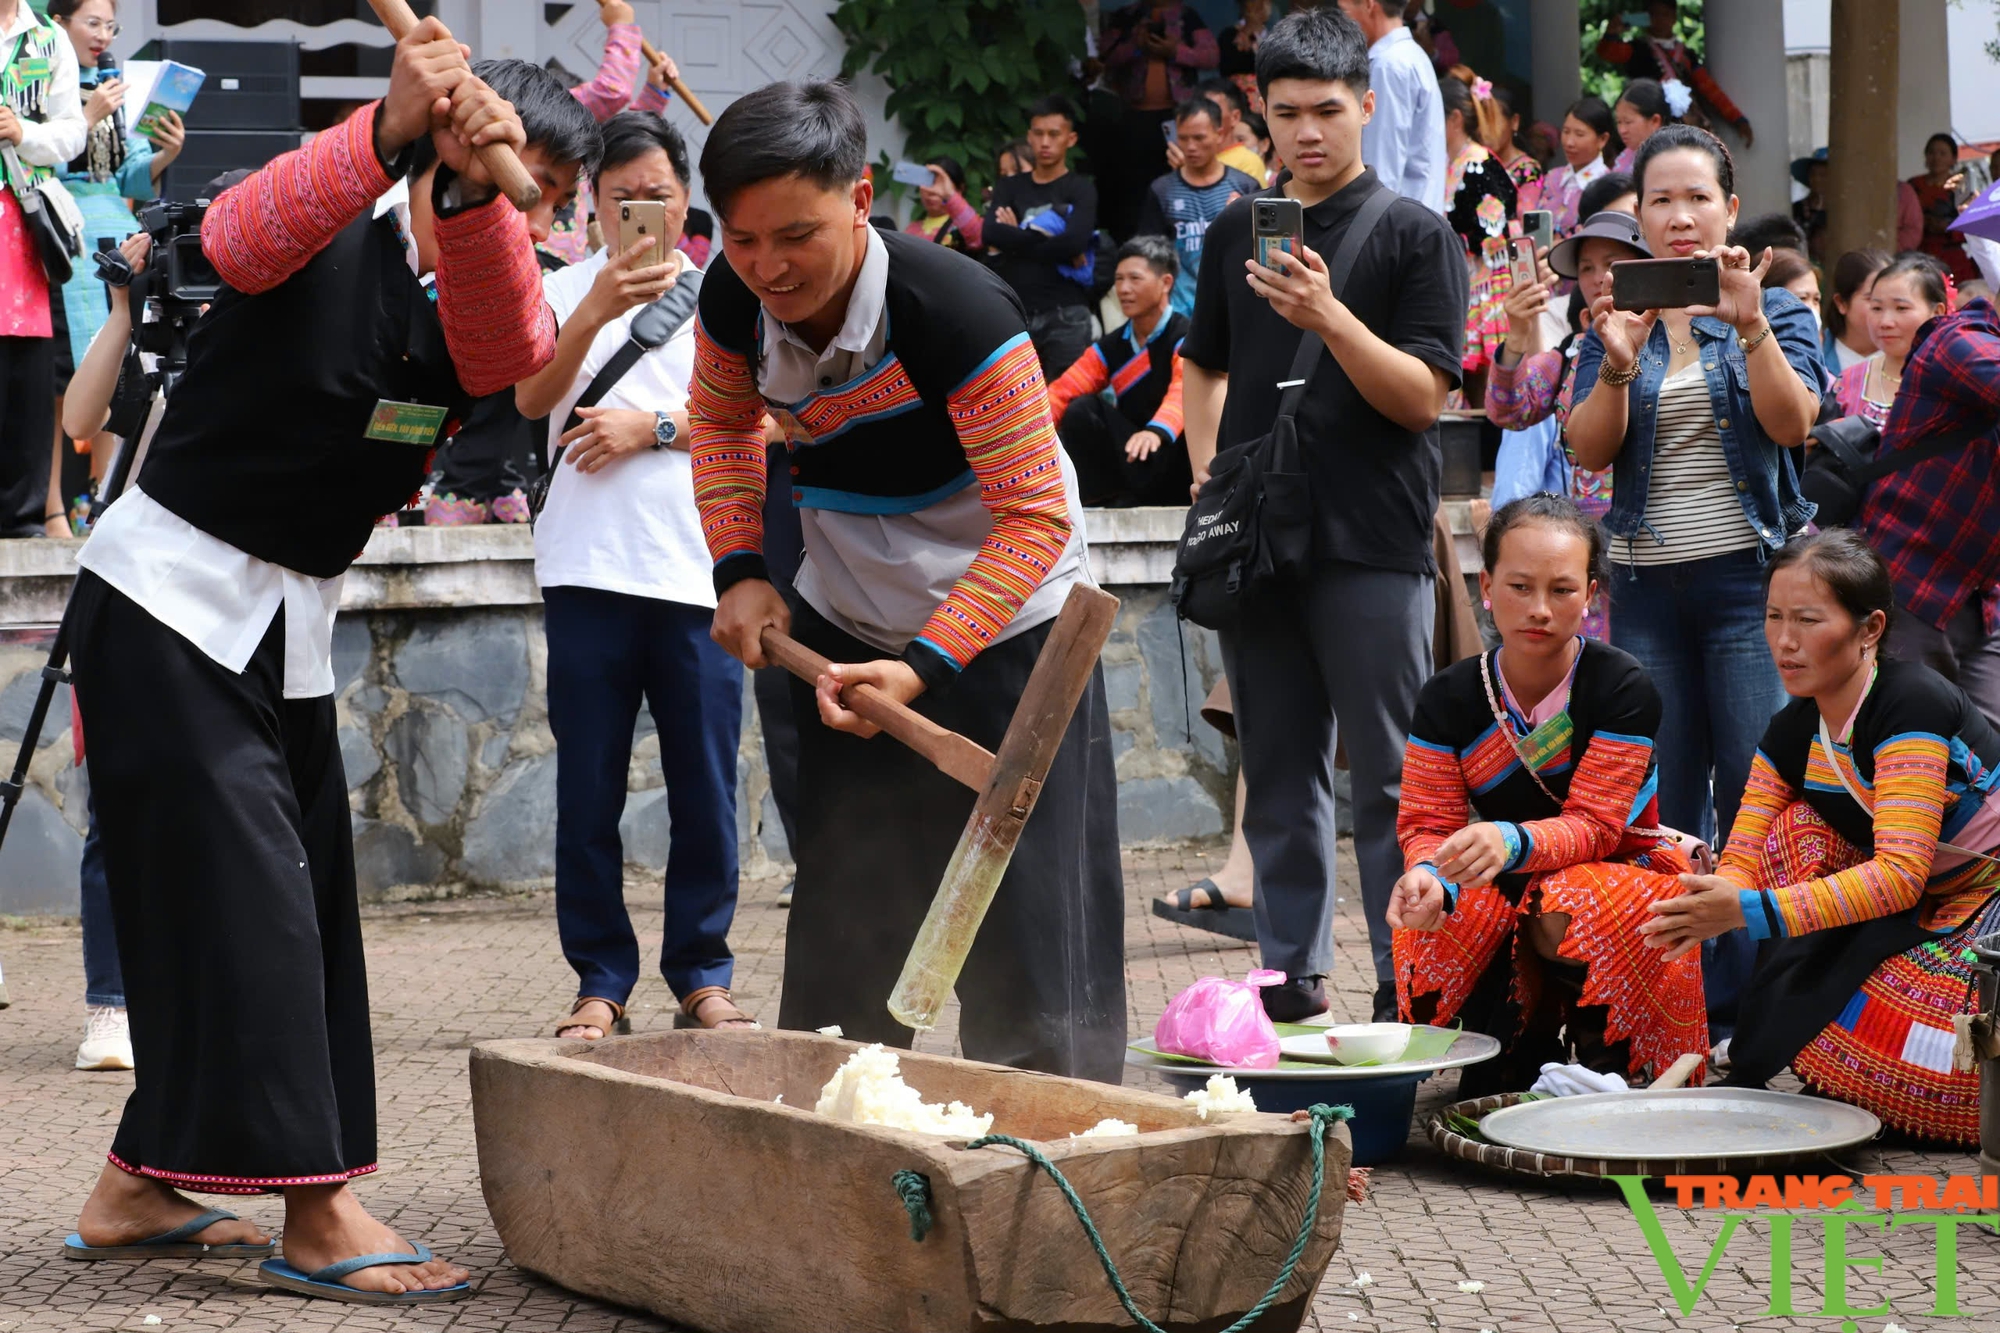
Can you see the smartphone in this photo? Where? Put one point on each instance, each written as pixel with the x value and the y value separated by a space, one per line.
pixel 911 173
pixel 1277 224
pixel 1170 131
pixel 644 217
pixel 1665 284
pixel 1539 225
pixel 1521 262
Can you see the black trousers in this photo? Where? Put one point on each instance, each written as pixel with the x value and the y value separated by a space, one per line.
pixel 1094 433
pixel 1044 987
pixel 230 861
pixel 27 428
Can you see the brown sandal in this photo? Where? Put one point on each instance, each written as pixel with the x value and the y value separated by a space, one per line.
pixel 620 1024
pixel 692 1005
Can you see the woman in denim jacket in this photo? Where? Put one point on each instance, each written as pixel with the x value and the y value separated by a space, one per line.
pixel 1694 409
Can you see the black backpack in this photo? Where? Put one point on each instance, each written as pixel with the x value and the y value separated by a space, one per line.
pixel 1250 527
pixel 1849 460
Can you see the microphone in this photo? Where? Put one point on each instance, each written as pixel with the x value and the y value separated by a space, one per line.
pixel 107 68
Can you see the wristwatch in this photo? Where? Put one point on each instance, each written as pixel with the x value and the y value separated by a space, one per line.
pixel 665 432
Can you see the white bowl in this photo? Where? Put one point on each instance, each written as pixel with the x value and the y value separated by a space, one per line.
pixel 1352 1043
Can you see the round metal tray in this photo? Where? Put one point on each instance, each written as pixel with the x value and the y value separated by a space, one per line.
pixel 1469 1049
pixel 1680 1124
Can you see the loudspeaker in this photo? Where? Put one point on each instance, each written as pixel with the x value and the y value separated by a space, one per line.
pixel 250 85
pixel 209 153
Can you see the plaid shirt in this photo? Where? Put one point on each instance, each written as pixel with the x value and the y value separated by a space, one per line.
pixel 1938 523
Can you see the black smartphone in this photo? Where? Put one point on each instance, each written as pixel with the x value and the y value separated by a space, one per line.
pixel 1276 224
pixel 1539 225
pixel 1665 284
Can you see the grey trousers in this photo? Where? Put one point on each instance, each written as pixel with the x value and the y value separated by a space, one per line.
pixel 1339 657
pixel 1962 652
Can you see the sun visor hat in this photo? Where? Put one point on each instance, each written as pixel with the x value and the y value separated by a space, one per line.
pixel 1611 226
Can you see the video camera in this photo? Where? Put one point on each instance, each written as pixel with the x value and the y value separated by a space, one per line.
pixel 177 283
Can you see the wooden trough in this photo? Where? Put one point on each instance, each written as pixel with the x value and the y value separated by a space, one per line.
pixel 658 1171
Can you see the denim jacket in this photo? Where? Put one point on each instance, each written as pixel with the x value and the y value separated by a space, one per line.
pixel 1766 483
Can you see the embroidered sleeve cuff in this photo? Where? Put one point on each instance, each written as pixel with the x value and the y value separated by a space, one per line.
pixel 732 570
pixel 1450 889
pixel 1760 914
pixel 938 672
pixel 1518 843
pixel 1167 436
pixel 454 196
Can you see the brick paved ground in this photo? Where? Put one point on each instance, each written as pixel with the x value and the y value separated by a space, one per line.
pixel 446 975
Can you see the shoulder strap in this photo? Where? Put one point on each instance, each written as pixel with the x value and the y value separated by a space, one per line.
pixel 1949 442
pixel 651 327
pixel 1337 270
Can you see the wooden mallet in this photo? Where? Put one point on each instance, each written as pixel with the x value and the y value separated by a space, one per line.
pixel 499 159
pixel 681 90
pixel 1008 783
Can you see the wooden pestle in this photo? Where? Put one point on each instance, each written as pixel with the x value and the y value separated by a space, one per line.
pixel 499 159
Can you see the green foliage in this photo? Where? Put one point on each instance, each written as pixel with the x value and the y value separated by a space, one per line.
pixel 1602 16
pixel 961 73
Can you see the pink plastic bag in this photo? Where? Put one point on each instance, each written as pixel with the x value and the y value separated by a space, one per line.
pixel 1223 1022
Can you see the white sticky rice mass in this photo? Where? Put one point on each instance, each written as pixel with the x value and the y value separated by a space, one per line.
pixel 1108 1128
pixel 869 1090
pixel 1220 1097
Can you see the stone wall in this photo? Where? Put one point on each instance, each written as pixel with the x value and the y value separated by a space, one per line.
pixel 451 767
pixel 440 664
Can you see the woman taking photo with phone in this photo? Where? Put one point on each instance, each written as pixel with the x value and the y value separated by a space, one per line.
pixel 117 164
pixel 1693 410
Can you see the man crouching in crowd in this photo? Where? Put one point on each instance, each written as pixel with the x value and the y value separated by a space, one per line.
pixel 357 319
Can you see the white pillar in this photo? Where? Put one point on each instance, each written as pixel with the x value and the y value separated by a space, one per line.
pixel 1923 96
pixel 1555 62
pixel 1746 54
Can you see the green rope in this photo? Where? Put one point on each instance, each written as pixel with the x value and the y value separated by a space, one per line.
pixel 915 1189
pixel 915 1192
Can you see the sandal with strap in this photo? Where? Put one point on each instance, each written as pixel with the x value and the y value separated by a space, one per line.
pixel 179 1243
pixel 691 1006
pixel 325 1283
pixel 1216 914
pixel 620 1024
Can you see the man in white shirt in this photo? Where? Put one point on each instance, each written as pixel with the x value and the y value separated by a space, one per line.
pixel 1404 140
pixel 624 572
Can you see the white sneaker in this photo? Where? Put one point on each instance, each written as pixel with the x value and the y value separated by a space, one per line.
pixel 107 1042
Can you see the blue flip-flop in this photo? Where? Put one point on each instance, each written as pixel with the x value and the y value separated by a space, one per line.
pixel 325 1284
pixel 173 1244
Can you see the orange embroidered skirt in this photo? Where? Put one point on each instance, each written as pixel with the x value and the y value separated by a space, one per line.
pixel 1655 1004
pixel 1872 1002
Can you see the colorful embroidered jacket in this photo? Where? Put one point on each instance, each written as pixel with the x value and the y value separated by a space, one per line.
pixel 1458 761
pixel 955 402
pixel 1146 381
pixel 321 320
pixel 1925 761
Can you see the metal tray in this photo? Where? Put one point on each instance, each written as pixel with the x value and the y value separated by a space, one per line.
pixel 1469 1049
pixel 1681 1124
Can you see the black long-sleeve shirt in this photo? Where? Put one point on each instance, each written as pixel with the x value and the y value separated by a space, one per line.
pixel 1027 258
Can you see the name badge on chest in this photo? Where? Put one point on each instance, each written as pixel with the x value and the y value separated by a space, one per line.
pixel 405 423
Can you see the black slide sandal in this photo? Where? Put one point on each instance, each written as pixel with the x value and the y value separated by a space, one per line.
pixel 1215 916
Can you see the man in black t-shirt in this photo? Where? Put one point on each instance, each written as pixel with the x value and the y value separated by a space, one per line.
pixel 1341 654
pixel 1042 225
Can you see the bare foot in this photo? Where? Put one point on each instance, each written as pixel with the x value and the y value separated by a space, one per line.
pixel 125 1209
pixel 326 1223
pixel 591 1021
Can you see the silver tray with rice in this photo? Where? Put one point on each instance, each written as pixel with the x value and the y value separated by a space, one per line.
pixel 1680 1124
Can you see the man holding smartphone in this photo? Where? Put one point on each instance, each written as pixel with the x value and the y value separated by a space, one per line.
pixel 1392 338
